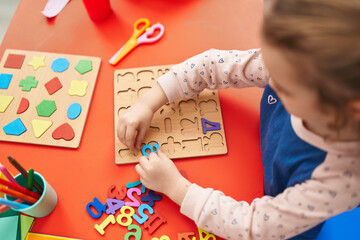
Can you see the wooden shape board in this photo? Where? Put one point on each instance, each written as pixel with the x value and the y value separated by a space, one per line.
pixel 61 97
pixel 177 126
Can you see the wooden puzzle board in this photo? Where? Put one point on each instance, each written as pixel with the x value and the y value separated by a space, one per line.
pixel 61 97
pixel 176 127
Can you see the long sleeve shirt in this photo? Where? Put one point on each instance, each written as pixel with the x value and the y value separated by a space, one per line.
pixel 307 179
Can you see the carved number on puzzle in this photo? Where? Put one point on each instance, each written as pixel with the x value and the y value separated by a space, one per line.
pixel 143 216
pixel 213 125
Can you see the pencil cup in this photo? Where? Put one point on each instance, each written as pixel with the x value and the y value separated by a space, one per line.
pixel 46 203
pixel 98 9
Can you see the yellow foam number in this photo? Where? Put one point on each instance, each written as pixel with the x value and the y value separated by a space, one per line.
pixel 40 127
pixel 78 88
pixel 207 235
pixel 5 102
pixel 123 214
pixel 100 228
pixel 163 237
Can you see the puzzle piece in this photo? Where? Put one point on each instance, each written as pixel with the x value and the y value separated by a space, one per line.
pixel 64 131
pixel 153 148
pixel 14 61
pixel 15 127
pixel 84 66
pixel 53 85
pixel 213 125
pixel 46 108
pixel 23 106
pixel 100 228
pixel 37 62
pixel 40 127
pixel 78 88
pixel 186 236
pixel 74 111
pixel 28 83
pixel 60 65
pixel 151 198
pixel 5 80
pixel 5 102
pixel 154 222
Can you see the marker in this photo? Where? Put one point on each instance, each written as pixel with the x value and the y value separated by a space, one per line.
pixel 31 179
pixel 17 194
pixel 20 189
pixel 7 174
pixel 13 204
pixel 24 173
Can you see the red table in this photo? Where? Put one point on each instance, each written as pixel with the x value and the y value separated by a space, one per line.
pixel 78 175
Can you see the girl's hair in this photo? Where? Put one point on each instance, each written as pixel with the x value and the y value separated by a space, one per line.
pixel 321 38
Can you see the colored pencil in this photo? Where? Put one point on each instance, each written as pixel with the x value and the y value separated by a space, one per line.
pixel 24 173
pixel 4 208
pixel 16 194
pixel 19 189
pixel 30 179
pixel 7 174
pixel 12 203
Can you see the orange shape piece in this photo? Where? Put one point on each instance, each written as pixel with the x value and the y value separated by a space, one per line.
pixel 14 61
pixel 64 131
pixel 23 106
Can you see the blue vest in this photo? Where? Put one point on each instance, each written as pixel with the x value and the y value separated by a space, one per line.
pixel 287 160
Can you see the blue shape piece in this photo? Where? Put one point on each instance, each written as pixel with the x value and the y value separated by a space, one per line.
pixel 74 111
pixel 214 126
pixel 148 146
pixel 151 198
pixel 60 65
pixel 16 127
pixel 137 183
pixel 5 79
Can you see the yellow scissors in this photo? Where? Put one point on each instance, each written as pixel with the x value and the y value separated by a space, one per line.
pixel 140 36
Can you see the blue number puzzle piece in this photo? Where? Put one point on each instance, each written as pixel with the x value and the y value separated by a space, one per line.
pixel 151 148
pixel 137 183
pixel 100 208
pixel 16 127
pixel 151 198
pixel 5 80
pixel 214 126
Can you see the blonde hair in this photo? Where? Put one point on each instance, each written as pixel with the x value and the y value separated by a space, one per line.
pixel 321 38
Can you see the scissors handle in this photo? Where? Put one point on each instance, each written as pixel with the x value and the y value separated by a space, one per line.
pixel 138 32
pixel 146 37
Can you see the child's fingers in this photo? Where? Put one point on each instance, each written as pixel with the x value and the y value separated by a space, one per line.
pixel 121 133
pixel 144 162
pixel 162 155
pixel 130 136
pixel 140 137
pixel 140 170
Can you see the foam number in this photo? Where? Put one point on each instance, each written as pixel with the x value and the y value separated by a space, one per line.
pixel 100 208
pixel 100 228
pixel 163 237
pixel 154 222
pixel 114 193
pixel 186 236
pixel 136 234
pixel 113 205
pixel 123 215
pixel 135 202
pixel 143 216
pixel 151 198
pixel 135 184
pixel 151 148
pixel 213 125
pixel 204 235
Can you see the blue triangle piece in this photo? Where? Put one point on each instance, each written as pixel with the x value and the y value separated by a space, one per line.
pixel 5 79
pixel 16 127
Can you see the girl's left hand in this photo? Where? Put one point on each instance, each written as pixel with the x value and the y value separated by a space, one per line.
pixel 159 173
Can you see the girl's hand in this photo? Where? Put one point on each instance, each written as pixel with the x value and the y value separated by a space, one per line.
pixel 160 174
pixel 135 121
pixel 133 124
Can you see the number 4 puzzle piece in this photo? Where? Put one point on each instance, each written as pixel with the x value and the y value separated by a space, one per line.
pixel 213 125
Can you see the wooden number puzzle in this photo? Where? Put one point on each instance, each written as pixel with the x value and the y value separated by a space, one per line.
pixel 45 97
pixel 177 127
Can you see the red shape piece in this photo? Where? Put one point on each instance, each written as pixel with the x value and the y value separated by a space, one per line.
pixel 64 131
pixel 154 222
pixel 23 106
pixel 14 61
pixel 53 85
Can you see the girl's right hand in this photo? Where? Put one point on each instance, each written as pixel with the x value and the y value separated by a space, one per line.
pixel 133 124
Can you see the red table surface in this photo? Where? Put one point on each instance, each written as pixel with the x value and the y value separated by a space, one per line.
pixel 79 175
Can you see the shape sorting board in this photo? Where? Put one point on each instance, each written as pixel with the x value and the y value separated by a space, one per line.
pixel 48 98
pixel 177 126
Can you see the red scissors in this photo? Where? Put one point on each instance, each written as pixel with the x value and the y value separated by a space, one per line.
pixel 140 36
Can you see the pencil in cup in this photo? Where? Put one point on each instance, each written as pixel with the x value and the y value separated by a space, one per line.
pixel 20 189
pixel 45 204
pixel 17 194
